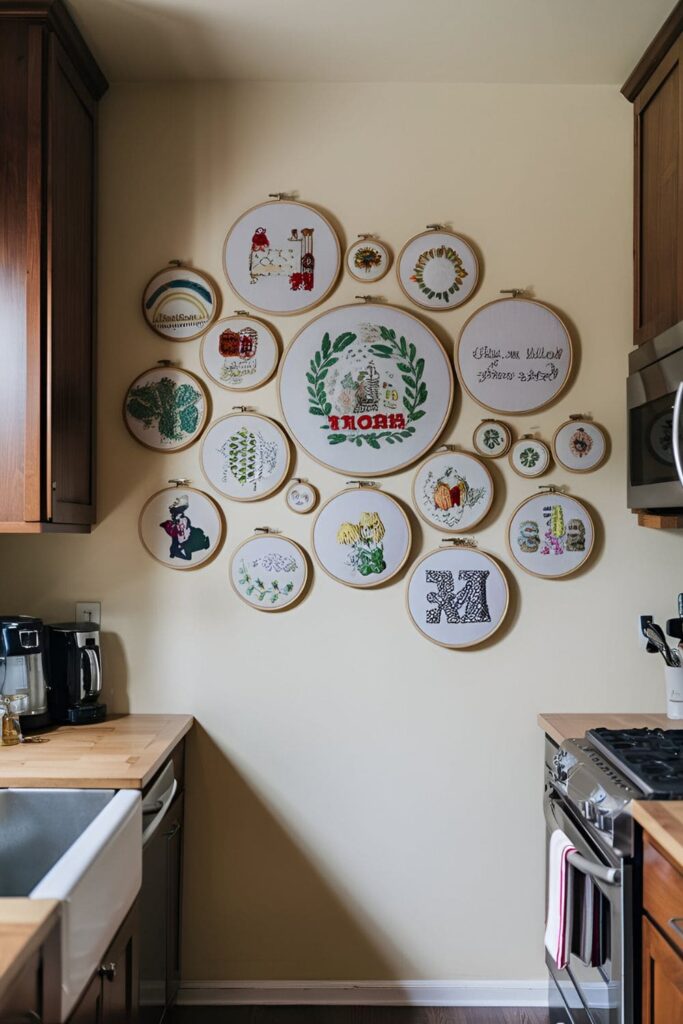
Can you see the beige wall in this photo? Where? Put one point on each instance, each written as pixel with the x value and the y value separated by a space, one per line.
pixel 363 804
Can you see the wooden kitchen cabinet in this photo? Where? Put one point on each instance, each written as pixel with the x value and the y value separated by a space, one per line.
pixel 25 997
pixel 662 938
pixel 112 997
pixel 50 85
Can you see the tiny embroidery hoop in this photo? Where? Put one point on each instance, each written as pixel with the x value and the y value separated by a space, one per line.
pixel 525 439
pixel 360 484
pixel 549 489
pixel 456 452
pixel 596 426
pixel 504 429
pixel 176 485
pixel 534 302
pixel 369 240
pixel 264 533
pixel 161 365
pixel 245 411
pixel 240 315
pixel 470 543
pixel 283 197
pixel 207 280
pixel 298 482
pixel 437 229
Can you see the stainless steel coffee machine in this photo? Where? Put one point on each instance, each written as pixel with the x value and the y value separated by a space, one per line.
pixel 22 668
pixel 75 672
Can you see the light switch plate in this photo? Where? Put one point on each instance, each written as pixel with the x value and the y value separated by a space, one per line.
pixel 89 611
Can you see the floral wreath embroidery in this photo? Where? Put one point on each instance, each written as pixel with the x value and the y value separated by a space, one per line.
pixel 440 252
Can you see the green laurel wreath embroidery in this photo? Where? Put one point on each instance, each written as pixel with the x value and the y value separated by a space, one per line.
pixel 412 370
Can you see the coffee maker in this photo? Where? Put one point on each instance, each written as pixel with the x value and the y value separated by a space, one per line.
pixel 22 668
pixel 75 672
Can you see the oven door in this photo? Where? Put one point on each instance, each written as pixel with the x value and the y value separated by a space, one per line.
pixel 602 993
pixel 655 434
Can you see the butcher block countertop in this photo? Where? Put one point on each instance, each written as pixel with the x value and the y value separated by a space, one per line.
pixel 123 752
pixel 663 821
pixel 573 727
pixel 24 926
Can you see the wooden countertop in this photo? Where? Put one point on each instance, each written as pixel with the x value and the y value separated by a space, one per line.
pixel 24 926
pixel 571 726
pixel 123 752
pixel 663 821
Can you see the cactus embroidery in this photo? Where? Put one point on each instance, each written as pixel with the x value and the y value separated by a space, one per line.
pixel 248 457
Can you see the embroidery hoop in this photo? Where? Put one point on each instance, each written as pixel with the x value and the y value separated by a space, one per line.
pixel 208 280
pixel 460 241
pixel 375 583
pixel 525 440
pixel 178 485
pixel 231 319
pixel 302 484
pixel 578 421
pixel 166 364
pixel 374 472
pixel 530 409
pixel 498 565
pixel 285 442
pixel 369 240
pixel 548 495
pixel 263 535
pixel 444 451
pixel 300 309
pixel 504 429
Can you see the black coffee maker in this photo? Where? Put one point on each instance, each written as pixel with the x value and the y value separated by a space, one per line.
pixel 75 672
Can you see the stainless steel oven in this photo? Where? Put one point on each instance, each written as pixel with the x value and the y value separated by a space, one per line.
pixel 655 430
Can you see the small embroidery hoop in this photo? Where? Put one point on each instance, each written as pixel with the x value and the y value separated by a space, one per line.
pixel 207 280
pixel 463 542
pixel 170 365
pixel 438 229
pixel 244 410
pixel 263 532
pixel 453 450
pixel 177 484
pixel 297 482
pixel 240 315
pixel 525 439
pixel 576 418
pixel 504 429
pixel 550 490
pixel 369 240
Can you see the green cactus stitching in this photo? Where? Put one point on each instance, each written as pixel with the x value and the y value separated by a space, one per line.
pixel 393 428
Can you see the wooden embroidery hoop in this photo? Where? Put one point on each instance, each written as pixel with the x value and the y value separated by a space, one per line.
pixel 504 429
pixel 455 452
pixel 263 533
pixel 367 240
pixel 285 443
pixel 578 420
pixel 514 412
pixel 302 484
pixel 218 300
pixel 485 554
pixel 527 439
pixel 177 485
pixel 230 319
pixel 301 309
pixel 549 495
pixel 461 241
pixel 167 364
pixel 371 474
pixel 375 583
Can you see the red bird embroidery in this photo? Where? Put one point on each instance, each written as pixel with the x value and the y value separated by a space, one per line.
pixel 260 240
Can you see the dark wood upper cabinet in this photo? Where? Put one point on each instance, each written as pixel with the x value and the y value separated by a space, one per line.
pixel 49 88
pixel 655 87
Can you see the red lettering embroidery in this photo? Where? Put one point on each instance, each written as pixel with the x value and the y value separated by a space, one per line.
pixel 379 422
pixel 348 423
pixel 364 422
pixel 333 422
pixel 397 421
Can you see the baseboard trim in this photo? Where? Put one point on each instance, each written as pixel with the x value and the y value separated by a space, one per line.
pixel 363 993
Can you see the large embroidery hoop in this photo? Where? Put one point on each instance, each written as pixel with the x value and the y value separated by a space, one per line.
pixel 247 415
pixel 306 350
pixel 367 496
pixel 160 290
pixel 264 537
pixel 165 368
pixel 447 453
pixel 182 487
pixel 480 334
pixel 332 252
pixel 461 556
pixel 437 244
pixel 549 497
pixel 241 321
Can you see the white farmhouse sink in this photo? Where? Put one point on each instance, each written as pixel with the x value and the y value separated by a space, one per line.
pixel 80 846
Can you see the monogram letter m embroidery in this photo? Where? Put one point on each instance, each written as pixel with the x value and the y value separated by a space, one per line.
pixel 468 605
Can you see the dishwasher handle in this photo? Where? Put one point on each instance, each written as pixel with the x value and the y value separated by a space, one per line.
pixel 159 804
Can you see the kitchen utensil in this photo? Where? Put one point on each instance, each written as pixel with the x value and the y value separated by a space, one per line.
pixel 656 637
pixel 75 672
pixel 22 668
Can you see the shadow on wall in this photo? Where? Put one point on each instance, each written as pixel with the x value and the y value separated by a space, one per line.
pixel 269 903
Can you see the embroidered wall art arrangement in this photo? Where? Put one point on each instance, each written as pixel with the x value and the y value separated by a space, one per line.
pixel 367 260
pixel 452 491
pixel 179 303
pixel 580 445
pixel 529 456
pixel 181 527
pixel 245 456
pixel 166 408
pixel 457 596
pixel 437 269
pixel 551 535
pixel 281 257
pixel 269 572
pixel 239 353
pixel 365 389
pixel 492 439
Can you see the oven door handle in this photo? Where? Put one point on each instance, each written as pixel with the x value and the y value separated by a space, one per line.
pixel 612 876
pixel 675 430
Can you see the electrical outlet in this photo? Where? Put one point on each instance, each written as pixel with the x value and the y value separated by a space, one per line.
pixel 89 611
pixel 643 642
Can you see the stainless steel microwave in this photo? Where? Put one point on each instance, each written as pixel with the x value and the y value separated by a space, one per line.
pixel 655 433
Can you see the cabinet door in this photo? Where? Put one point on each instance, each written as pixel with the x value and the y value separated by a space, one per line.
pixel 70 293
pixel 23 1000
pixel 174 839
pixel 120 974
pixel 662 979
pixel 89 1010
pixel 658 223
